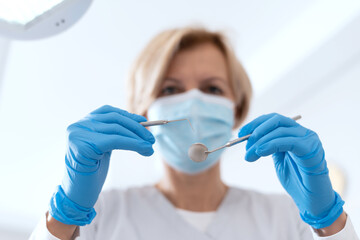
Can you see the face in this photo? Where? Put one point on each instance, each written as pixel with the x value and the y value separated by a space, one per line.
pixel 203 67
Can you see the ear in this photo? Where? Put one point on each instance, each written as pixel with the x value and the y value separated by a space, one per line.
pixel 234 125
pixel 145 115
pixel 241 111
pixel 238 112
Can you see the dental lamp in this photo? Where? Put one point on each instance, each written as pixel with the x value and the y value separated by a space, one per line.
pixel 35 19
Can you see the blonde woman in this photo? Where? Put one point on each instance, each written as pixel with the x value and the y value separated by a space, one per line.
pixel 191 73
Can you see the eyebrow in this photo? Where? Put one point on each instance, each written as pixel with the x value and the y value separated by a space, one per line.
pixel 172 79
pixel 214 79
pixel 209 79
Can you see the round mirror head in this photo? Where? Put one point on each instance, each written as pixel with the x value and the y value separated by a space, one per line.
pixel 197 152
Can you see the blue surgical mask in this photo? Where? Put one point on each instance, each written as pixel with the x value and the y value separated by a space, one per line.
pixel 212 118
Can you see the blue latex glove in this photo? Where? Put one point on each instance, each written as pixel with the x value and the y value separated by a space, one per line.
pixel 300 165
pixel 90 143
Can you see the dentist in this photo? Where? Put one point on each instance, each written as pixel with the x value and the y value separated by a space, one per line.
pixel 192 73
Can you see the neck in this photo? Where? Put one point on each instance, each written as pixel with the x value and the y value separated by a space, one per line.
pixel 202 192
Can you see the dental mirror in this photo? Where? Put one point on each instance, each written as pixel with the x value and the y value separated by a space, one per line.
pixel 198 152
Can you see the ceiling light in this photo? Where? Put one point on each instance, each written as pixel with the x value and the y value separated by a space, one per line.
pixel 24 19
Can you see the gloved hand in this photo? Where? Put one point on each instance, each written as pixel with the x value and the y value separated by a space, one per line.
pixel 300 165
pixel 90 143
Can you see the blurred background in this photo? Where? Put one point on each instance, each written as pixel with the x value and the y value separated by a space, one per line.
pixel 303 58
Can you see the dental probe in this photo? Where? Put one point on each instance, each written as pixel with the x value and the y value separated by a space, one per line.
pixel 163 122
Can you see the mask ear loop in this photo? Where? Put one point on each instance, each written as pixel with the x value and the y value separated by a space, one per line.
pixel 190 125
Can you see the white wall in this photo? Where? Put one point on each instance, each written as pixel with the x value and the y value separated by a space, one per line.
pixel 51 83
pixel 4 47
pixel 13 235
pixel 324 89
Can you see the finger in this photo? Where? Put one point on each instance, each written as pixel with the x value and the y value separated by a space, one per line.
pixel 250 127
pixel 124 143
pixel 284 144
pixel 80 160
pixel 108 109
pixel 128 123
pixel 306 147
pixel 280 132
pixel 105 128
pixel 103 143
pixel 308 151
pixel 269 125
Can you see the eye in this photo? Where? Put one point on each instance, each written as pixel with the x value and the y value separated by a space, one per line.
pixel 212 89
pixel 169 90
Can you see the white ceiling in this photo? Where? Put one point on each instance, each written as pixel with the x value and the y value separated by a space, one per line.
pixel 268 35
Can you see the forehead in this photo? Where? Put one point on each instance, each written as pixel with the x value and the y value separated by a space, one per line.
pixel 197 61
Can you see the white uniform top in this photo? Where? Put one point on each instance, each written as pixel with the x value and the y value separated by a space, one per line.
pixel 199 220
pixel 144 213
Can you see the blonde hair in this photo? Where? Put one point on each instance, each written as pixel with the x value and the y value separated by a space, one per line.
pixel 147 73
